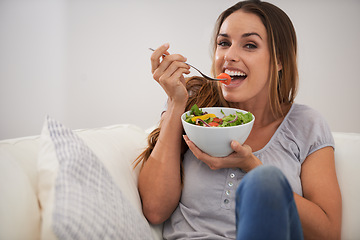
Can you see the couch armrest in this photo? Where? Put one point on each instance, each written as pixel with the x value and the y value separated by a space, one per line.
pixel 347 162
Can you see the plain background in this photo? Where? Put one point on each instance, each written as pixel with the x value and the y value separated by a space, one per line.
pixel 87 63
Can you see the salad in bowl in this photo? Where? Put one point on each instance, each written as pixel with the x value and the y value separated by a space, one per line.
pixel 213 128
pixel 198 117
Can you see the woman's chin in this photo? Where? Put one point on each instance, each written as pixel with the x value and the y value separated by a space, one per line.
pixel 233 91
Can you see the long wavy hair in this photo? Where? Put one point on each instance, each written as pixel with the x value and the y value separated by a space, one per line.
pixel 282 46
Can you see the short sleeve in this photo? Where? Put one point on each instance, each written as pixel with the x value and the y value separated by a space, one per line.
pixel 321 135
pixel 311 131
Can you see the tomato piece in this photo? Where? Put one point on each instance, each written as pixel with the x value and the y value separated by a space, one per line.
pixel 223 76
pixel 218 120
pixel 214 124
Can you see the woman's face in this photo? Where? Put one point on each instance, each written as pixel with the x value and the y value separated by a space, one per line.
pixel 243 53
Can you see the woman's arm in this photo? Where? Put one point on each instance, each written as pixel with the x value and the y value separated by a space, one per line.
pixel 160 178
pixel 320 208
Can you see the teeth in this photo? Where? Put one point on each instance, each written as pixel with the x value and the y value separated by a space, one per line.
pixel 235 73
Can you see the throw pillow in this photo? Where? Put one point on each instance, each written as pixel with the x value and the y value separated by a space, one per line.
pixel 77 194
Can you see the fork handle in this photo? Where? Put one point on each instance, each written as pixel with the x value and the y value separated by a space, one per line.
pixel 205 76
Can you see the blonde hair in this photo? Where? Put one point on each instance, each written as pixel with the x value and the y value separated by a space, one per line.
pixel 283 84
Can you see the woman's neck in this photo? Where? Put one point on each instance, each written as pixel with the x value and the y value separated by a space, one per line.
pixel 263 113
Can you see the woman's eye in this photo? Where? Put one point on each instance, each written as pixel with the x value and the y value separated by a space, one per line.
pixel 250 46
pixel 223 43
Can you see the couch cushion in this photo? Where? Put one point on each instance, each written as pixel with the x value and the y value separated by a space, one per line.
pixel 84 197
pixel 19 212
pixel 24 152
pixel 347 161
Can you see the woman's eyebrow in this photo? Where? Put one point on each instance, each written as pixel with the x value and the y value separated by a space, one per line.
pixel 251 34
pixel 245 35
pixel 223 35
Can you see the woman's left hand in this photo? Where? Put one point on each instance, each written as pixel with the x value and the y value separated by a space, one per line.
pixel 242 157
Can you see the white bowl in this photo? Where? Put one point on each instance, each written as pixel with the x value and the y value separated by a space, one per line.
pixel 216 141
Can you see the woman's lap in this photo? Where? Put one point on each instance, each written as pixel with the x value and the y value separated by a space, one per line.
pixel 265 206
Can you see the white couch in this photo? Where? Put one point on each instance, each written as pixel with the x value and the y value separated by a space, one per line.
pixel 24 199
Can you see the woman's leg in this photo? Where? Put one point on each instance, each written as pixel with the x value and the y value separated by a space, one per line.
pixel 265 206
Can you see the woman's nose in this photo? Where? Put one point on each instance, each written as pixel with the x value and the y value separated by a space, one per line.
pixel 232 54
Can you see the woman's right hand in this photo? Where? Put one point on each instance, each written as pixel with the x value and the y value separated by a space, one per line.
pixel 168 72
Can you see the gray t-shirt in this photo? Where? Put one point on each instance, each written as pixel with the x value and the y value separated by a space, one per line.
pixel 207 206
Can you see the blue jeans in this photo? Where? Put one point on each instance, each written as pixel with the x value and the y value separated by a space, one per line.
pixel 265 206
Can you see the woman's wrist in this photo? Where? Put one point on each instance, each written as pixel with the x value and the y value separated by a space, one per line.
pixel 170 136
pixel 173 113
pixel 177 105
pixel 252 163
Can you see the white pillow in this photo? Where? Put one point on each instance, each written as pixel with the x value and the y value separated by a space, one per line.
pixel 77 194
pixel 19 212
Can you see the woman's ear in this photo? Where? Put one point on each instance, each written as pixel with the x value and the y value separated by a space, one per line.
pixel 279 66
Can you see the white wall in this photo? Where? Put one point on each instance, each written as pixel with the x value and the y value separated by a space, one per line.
pixel 86 62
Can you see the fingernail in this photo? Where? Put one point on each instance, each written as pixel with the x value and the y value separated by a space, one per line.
pixel 166 45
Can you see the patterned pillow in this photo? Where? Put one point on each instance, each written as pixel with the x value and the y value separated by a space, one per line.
pixel 84 202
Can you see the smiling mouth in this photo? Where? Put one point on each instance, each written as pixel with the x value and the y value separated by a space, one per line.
pixel 236 75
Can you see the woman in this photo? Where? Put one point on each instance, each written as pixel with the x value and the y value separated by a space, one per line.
pixel 280 184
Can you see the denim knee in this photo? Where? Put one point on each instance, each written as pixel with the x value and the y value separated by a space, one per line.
pixel 265 180
pixel 265 206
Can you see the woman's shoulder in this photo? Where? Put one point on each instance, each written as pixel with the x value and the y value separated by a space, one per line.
pixel 307 127
pixel 303 117
pixel 304 113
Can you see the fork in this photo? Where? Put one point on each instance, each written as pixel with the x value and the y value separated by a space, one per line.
pixel 205 76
